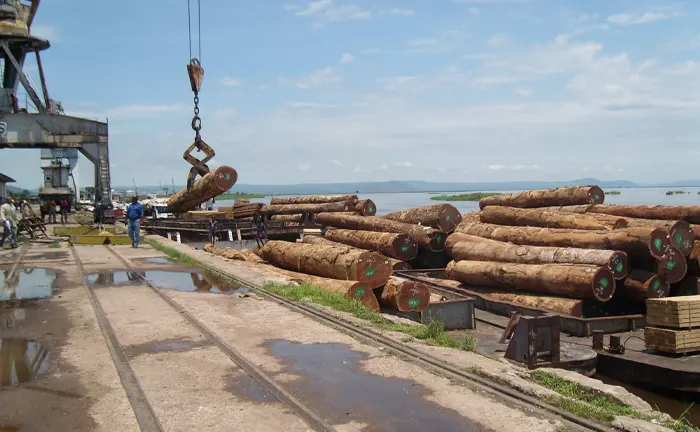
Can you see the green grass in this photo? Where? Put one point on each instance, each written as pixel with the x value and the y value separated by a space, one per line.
pixel 55 245
pixel 614 192
pixel 595 406
pixel 676 192
pixel 432 333
pixel 180 257
pixel 238 195
pixel 473 196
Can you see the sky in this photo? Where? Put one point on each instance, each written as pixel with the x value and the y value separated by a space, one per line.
pixel 357 90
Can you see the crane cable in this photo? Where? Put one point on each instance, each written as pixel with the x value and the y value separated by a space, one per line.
pixel 199 26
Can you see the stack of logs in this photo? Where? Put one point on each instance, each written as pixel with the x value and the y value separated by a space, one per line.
pixel 359 251
pixel 560 246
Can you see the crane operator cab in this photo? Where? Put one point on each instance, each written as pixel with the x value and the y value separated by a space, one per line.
pixel 8 9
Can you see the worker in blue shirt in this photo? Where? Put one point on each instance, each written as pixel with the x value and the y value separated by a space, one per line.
pixel 135 216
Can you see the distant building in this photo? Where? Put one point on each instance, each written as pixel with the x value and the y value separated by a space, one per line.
pixel 3 184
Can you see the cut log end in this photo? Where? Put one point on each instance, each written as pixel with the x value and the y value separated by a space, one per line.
pixel 401 266
pixel 597 195
pixel 412 297
pixel 404 248
pixel 672 266
pixel 658 287
pixel 659 242
pixel 682 236
pixel 225 177
pixel 373 269
pixel 603 285
pixel 437 241
pixel 366 207
pixel 619 265
pixel 620 223
pixel 450 217
pixel 364 295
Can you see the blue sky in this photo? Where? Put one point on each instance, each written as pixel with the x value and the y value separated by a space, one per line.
pixel 335 90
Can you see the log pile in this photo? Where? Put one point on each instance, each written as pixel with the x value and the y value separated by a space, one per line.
pixel 298 210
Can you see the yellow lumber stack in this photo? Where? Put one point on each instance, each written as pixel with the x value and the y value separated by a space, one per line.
pixel 673 324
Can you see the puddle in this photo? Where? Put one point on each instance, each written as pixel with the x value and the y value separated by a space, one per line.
pixel 174 280
pixel 47 256
pixel 333 381
pixel 158 260
pixel 166 345
pixel 247 388
pixel 21 361
pixel 30 283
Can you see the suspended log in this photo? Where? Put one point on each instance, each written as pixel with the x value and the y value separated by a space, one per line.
pixel 349 289
pixel 560 305
pixel 463 247
pixel 688 213
pixel 672 266
pixel 641 285
pixel 546 198
pixel 584 282
pixel 633 241
pixel 289 218
pixel 366 207
pixel 339 206
pixel 425 237
pixel 337 262
pixel 541 218
pixel 444 217
pixel 403 295
pixel 681 232
pixel 395 245
pixel 430 260
pixel 205 188
pixel 312 199
pixel 560 279
pixel 229 253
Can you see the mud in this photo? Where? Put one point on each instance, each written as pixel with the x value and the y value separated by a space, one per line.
pixel 21 361
pixel 166 345
pixel 28 283
pixel 333 382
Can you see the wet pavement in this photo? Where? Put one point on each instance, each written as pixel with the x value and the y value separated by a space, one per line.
pixel 173 280
pixel 28 283
pixel 21 361
pixel 332 380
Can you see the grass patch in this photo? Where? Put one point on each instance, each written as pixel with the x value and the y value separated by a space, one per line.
pixel 676 192
pixel 474 196
pixel 179 257
pixel 613 192
pixel 591 405
pixel 432 333
pixel 55 245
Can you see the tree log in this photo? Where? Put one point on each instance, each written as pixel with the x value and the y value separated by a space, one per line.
pixel 681 232
pixel 337 262
pixel 350 289
pixel 541 218
pixel 463 247
pixel 397 265
pixel 288 218
pixel 548 197
pixel 366 207
pixel 688 213
pixel 633 241
pixel 395 245
pixel 672 266
pixel 205 188
pixel 340 206
pixel 641 285
pixel 312 199
pixel 425 237
pixel 251 256
pixel 430 260
pixel 573 281
pixel 229 253
pixel 560 305
pixel 403 295
pixel 444 217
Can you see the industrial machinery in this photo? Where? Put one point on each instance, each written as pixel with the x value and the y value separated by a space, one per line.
pixel 48 127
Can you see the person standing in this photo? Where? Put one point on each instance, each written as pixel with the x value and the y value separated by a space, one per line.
pixel 212 231
pixel 9 220
pixel 51 204
pixel 64 210
pixel 135 215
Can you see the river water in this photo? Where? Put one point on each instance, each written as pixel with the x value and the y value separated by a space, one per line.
pixel 391 202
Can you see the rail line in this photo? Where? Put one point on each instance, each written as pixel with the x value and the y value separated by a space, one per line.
pixel 428 362
pixel 137 396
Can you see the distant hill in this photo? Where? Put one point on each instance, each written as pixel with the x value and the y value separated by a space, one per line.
pixel 404 186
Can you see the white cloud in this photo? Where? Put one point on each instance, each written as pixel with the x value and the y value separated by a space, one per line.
pixel 446 41
pixel 384 166
pixel 315 79
pixel 486 83
pixel 304 166
pixel 228 81
pixel 347 58
pixel 491 2
pixel 474 11
pixel 310 105
pixel 325 12
pixel 646 17
pixel 226 114
pixel 513 167
pixel 335 162
pixel 128 111
pixel 405 12
pixel 45 32
pixel 523 91
pixel 403 164
pixel 498 39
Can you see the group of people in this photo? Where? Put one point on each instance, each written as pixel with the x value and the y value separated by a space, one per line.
pixel 9 218
pixel 49 208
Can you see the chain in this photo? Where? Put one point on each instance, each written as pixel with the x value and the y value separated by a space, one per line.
pixel 196 120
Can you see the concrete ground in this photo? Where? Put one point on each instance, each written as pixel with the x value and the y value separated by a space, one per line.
pixel 70 381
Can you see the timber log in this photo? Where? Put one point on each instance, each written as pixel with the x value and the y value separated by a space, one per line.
pixel 425 237
pixel 548 197
pixel 463 247
pixel 444 217
pixel 336 262
pixel 211 185
pixel 688 213
pixel 338 206
pixel 396 265
pixel 641 285
pixel 546 219
pixel 229 253
pixel 366 207
pixel 633 241
pixel 395 245
pixel 313 199
pixel 584 282
pixel 403 295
